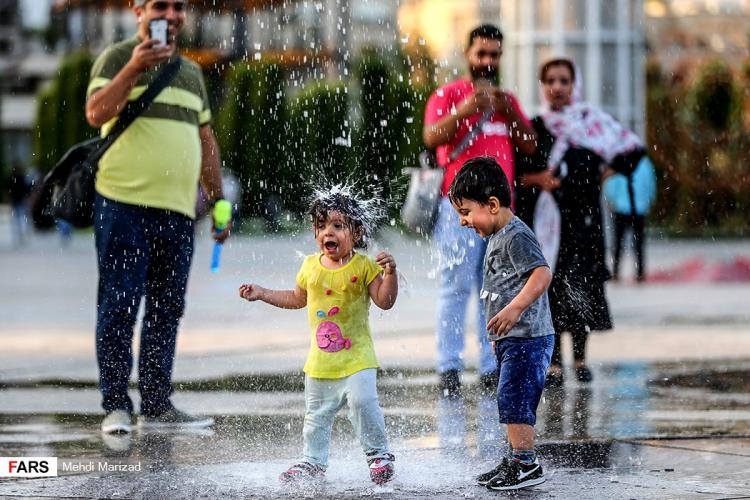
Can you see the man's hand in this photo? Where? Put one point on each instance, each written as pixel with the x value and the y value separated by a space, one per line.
pixel 479 101
pixel 548 181
pixel 149 53
pixel 221 220
pixel 485 98
pixel 544 180
pixel 504 321
pixel 223 235
pixel 105 103
pixel 504 104
pixel 387 262
pixel 251 292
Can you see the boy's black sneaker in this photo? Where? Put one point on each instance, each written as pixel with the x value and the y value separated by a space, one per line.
pixel 517 476
pixel 483 479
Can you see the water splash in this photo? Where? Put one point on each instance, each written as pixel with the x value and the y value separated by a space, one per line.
pixel 577 297
pixel 364 208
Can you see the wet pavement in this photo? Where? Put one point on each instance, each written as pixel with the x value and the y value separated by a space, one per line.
pixel 624 436
pixel 667 416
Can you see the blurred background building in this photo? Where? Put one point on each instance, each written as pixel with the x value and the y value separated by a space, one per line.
pixel 682 35
pixel 609 40
pixel 603 37
pixel 309 37
pixel 614 42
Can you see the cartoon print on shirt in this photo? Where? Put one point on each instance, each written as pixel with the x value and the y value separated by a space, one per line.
pixel 329 335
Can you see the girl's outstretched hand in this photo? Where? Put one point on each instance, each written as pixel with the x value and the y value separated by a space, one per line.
pixel 387 262
pixel 251 292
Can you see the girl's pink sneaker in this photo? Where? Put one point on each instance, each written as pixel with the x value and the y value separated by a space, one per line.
pixel 302 471
pixel 381 469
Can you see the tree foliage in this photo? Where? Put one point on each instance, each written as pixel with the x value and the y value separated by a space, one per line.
pixel 61 117
pixel 318 142
pixel 701 149
pixel 366 128
pixel 391 107
pixel 250 127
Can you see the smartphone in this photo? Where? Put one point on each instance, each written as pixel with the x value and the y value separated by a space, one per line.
pixel 157 30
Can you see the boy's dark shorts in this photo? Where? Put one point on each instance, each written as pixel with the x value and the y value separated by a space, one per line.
pixel 522 365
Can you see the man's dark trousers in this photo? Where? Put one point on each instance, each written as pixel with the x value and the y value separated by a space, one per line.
pixel 141 252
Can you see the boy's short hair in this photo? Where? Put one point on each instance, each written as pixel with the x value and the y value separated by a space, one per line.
pixel 478 180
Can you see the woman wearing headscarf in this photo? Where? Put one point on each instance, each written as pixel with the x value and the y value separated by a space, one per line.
pixel 579 146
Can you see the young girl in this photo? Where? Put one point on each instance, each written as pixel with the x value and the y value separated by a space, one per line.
pixel 336 285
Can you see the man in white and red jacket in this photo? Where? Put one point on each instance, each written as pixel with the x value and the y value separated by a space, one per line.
pixel 464 119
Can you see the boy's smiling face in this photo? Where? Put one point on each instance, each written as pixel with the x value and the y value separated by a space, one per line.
pixel 334 236
pixel 482 218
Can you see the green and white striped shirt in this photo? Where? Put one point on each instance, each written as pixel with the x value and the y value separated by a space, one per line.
pixel 156 162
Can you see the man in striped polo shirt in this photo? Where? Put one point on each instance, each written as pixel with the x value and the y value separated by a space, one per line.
pixel 146 189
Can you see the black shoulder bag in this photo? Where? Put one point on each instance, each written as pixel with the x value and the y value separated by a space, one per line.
pixel 67 191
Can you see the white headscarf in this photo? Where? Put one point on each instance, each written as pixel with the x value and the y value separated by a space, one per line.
pixel 580 124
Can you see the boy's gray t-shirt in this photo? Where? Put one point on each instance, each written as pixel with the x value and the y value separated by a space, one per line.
pixel 512 253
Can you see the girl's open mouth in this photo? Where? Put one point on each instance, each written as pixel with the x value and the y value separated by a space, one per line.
pixel 331 246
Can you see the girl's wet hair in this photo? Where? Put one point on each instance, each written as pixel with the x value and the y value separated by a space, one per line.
pixel 349 207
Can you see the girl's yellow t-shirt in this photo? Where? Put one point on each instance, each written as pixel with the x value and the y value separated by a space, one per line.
pixel 338 307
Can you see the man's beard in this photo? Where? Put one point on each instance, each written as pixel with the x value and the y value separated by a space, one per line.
pixel 490 73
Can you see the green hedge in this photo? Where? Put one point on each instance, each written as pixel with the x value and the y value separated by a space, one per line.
pixel 318 142
pixel 4 167
pixel 249 128
pixel 61 111
pixel 701 149
pixel 389 133
pixel 380 132
pixel 364 129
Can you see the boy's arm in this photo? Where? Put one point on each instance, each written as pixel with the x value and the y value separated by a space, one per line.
pixel 286 299
pixel 535 286
pixel 384 289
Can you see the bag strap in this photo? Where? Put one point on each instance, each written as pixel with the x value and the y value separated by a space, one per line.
pixel 133 109
pixel 471 135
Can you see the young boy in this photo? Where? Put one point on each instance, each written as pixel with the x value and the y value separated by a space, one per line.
pixel 514 293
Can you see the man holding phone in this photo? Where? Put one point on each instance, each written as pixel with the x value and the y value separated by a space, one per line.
pixel 464 119
pixel 144 212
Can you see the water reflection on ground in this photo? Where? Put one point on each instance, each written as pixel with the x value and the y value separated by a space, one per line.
pixel 578 426
pixel 575 428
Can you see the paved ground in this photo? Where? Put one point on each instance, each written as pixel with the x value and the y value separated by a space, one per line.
pixel 622 437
